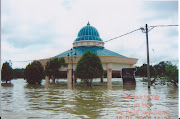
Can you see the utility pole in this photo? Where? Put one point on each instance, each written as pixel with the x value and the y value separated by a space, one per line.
pixel 147 45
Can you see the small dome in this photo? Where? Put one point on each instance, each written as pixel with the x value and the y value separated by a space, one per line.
pixel 88 33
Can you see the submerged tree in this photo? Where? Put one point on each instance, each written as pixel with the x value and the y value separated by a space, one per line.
pixel 164 70
pixel 172 74
pixel 34 73
pixel 6 72
pixel 89 67
pixel 52 67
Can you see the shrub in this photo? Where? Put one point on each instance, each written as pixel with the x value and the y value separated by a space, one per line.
pixel 34 73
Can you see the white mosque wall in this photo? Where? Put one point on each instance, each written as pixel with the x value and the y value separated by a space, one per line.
pixel 65 68
pixel 120 66
pixel 117 66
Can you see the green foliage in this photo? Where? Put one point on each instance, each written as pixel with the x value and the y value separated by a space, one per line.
pixel 172 74
pixel 89 67
pixel 6 72
pixel 53 65
pixel 142 70
pixel 34 73
pixel 163 69
pixel 18 73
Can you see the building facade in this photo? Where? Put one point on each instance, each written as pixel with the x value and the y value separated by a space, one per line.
pixel 88 39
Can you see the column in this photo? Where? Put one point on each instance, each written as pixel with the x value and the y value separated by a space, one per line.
pixel 69 74
pixel 47 81
pixel 109 74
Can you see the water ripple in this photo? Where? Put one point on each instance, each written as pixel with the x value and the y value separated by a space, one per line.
pixel 38 102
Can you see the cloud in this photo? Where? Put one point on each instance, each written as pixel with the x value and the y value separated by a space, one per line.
pixel 161 6
pixel 43 28
pixel 161 10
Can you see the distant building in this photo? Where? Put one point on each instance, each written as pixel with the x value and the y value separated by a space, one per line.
pixel 89 40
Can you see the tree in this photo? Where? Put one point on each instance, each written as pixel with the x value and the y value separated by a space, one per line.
pixel 18 73
pixel 52 67
pixel 172 74
pixel 6 72
pixel 142 71
pixel 89 67
pixel 34 73
pixel 161 68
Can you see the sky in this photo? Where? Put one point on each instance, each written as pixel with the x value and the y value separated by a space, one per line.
pixel 39 29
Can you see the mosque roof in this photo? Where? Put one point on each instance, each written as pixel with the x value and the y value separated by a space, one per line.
pixel 88 33
pixel 100 51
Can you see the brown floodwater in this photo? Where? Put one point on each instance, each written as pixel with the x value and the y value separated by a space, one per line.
pixel 22 101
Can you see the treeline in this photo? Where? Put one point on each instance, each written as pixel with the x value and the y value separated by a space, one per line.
pixel 34 71
pixel 164 69
pixel 18 73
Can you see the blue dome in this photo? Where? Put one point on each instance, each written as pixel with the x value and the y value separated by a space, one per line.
pixel 88 33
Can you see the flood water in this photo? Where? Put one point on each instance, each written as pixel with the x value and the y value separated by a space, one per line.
pixel 22 101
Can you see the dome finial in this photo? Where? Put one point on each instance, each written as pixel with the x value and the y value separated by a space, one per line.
pixel 88 23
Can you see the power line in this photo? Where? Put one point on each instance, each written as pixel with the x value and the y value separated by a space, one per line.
pixel 129 33
pixel 122 35
pixel 152 27
pixel 163 25
pixel 107 40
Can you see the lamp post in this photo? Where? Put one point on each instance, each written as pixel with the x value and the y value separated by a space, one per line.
pixel 10 63
pixel 71 59
pixel 147 45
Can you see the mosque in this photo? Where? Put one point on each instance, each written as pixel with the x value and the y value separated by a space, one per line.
pixel 88 39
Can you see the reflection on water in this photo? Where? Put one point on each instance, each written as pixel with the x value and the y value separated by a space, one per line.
pixel 6 95
pixel 23 101
pixel 7 85
pixel 129 86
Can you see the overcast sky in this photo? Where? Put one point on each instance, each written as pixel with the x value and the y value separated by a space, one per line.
pixel 38 29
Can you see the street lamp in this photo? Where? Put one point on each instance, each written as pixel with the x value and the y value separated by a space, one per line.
pixel 72 59
pixel 10 63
